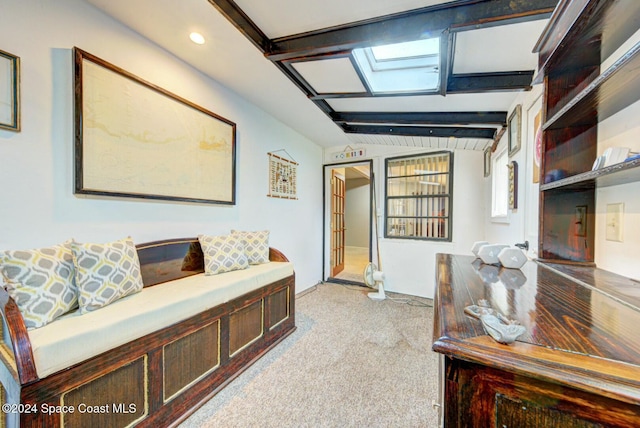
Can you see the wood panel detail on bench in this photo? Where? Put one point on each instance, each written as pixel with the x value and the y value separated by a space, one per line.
pixel 158 379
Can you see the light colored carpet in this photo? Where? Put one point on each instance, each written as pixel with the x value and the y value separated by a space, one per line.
pixel 352 362
pixel 355 260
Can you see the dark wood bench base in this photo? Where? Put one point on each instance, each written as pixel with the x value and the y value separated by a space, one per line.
pixel 161 378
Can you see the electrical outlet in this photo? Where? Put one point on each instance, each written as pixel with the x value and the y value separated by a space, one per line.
pixel 615 217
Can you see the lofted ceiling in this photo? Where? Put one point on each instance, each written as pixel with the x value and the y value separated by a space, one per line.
pixel 294 59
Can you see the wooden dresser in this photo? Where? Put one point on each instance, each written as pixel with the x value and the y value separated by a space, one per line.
pixel 577 364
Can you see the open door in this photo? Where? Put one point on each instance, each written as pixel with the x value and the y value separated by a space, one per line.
pixel 347 221
pixel 337 223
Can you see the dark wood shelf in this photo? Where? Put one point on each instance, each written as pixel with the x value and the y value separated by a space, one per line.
pixel 620 173
pixel 576 24
pixel 620 288
pixel 615 89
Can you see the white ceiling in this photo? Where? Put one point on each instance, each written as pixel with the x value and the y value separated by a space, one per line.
pixel 231 59
pixel 278 18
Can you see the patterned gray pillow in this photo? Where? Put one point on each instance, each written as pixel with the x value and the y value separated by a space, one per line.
pixel 41 282
pixel 105 272
pixel 256 245
pixel 222 254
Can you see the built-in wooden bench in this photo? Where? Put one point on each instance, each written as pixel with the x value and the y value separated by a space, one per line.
pixel 152 358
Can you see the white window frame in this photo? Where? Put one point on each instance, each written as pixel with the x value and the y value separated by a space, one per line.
pixel 500 187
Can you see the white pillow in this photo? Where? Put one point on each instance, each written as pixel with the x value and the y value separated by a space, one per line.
pixel 222 254
pixel 41 282
pixel 105 272
pixel 256 245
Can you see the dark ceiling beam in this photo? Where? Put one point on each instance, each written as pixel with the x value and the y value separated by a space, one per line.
pixel 422 118
pixel 456 84
pixel 421 131
pixel 406 26
pixel 489 82
pixel 230 10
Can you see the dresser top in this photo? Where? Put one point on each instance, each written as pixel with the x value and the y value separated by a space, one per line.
pixel 581 329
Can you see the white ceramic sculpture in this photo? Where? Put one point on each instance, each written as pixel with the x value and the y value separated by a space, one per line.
pixel 489 253
pixel 512 258
pixel 476 247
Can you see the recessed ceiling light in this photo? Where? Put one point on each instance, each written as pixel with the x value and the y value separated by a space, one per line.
pixel 197 38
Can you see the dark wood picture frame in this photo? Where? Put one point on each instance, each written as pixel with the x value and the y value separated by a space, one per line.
pixel 10 63
pixel 515 130
pixel 149 143
pixel 487 161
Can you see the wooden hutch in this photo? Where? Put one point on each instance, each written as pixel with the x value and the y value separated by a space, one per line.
pixel 578 363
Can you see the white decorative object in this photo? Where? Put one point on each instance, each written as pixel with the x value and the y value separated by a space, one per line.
pixel 375 279
pixel 614 155
pixel 349 153
pixel 512 258
pixel 282 176
pixel 476 246
pixel 489 253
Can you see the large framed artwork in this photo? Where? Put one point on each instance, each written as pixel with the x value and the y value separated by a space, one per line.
pixel 135 139
pixel 9 91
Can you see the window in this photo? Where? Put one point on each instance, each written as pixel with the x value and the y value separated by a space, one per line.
pixel 419 196
pixel 401 67
pixel 500 187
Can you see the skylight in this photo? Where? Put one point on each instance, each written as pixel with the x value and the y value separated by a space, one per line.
pixel 405 50
pixel 401 67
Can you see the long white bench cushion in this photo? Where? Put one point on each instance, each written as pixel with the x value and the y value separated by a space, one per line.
pixel 74 338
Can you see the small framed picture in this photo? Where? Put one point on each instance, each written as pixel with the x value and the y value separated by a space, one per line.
pixel 487 161
pixel 9 91
pixel 515 130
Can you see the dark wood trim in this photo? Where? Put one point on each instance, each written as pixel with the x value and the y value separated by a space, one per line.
pixel 324 106
pixel 423 118
pixel 23 354
pixel 406 26
pixel 421 131
pixel 489 82
pixel 457 84
pixel 329 96
pixel 230 10
pixel 447 54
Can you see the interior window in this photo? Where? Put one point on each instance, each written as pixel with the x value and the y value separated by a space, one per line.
pixel 419 195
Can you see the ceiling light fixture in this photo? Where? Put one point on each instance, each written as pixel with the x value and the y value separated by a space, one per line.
pixel 197 38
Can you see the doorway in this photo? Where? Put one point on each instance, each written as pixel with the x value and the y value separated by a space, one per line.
pixel 347 221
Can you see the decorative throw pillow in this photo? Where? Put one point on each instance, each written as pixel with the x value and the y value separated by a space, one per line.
pixel 222 254
pixel 256 245
pixel 41 282
pixel 105 272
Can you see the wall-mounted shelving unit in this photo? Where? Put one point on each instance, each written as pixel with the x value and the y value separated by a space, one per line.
pixel 578 96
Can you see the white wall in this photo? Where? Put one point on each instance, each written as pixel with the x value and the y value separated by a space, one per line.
pixel 356 210
pixel 522 223
pixel 38 206
pixel 622 130
pixel 409 265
